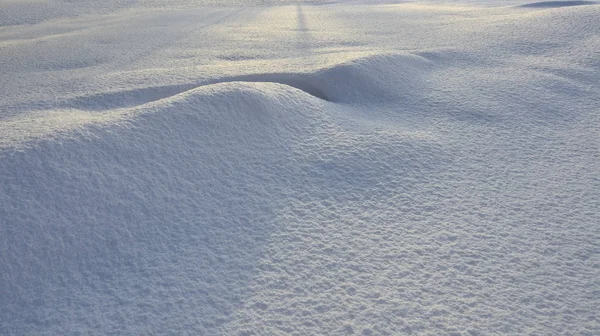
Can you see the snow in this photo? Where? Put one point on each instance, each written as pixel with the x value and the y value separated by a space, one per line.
pixel 299 167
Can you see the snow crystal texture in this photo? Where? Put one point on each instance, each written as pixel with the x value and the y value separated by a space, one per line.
pixel 299 168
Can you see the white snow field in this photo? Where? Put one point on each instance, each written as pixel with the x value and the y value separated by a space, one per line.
pixel 299 168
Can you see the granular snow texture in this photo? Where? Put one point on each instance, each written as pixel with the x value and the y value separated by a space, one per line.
pixel 306 169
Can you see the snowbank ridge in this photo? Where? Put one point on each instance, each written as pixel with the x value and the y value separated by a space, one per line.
pixel 366 80
pixel 359 80
pixel 195 173
pixel 198 178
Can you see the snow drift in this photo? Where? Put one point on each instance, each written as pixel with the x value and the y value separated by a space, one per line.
pixel 172 207
pixel 191 187
pixel 337 169
pixel 366 80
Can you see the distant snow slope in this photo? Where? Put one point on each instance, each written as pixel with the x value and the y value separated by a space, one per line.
pixel 382 169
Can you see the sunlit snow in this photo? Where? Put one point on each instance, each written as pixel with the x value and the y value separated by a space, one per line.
pixel 286 167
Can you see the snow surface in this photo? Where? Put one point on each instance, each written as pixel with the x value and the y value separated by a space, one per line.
pixel 304 168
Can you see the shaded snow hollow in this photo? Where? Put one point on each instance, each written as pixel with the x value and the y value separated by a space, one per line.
pixel 308 170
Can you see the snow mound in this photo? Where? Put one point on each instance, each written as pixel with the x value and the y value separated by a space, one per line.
pixel 141 96
pixel 367 80
pixel 373 79
pixel 363 79
pixel 171 209
pixel 195 181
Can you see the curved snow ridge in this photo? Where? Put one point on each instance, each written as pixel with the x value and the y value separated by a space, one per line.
pixel 366 80
pixel 177 206
pixel 197 181
pixel 373 79
pixel 558 4
pixel 238 109
pixel 362 80
pixel 234 108
pixel 133 98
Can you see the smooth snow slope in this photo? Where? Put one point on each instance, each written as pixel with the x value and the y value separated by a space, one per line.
pixel 382 169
